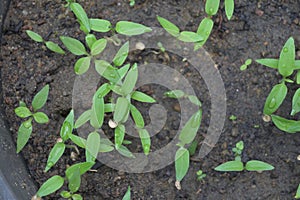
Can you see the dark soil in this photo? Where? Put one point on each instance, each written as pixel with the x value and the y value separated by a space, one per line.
pixel 258 29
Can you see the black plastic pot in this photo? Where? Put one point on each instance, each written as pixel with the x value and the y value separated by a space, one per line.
pixel 15 181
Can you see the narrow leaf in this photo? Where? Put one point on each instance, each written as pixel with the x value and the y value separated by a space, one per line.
pixel 98 46
pixel 121 109
pixel 73 45
pixel 296 102
pixel 24 133
pixel 269 62
pixel 231 166
pixel 275 98
pixel 40 98
pixel 131 28
pixel 298 77
pixel 119 135
pixel 34 36
pixel 74 180
pixel 54 47
pixel 107 71
pixel 127 194
pixel 287 58
pixel 81 15
pixel 171 28
pixel 189 131
pixel 121 55
pixel 67 127
pixel 174 94
pixel 55 154
pixel 145 139
pixel 83 168
pixel 193 99
pixel 79 141
pixel 50 186
pixel 297 196
pixel 90 39
pixel 286 125
pixel 142 97
pixel 82 65
pixel 100 25
pixel 97 113
pixel 229 8
pixel 256 165
pixel 92 146
pixel 182 163
pixel 123 70
pixel 83 118
pixel 137 117
pixel 211 7
pixel 125 152
pixel 204 29
pixel 188 36
pixel 109 107
pixel 130 80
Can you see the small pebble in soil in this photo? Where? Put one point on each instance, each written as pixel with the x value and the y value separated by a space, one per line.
pixel 298 157
pixel 73 156
pixel 112 124
pixel 266 118
pixel 35 197
pixel 140 46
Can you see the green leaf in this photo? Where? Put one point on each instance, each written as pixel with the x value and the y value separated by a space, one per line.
pixel 269 62
pixel 77 197
pixel 248 62
pixel 182 163
pixel 231 166
pixel 24 133
pixel 171 28
pixel 116 89
pixel 188 36
pixel 98 46
pixel 34 36
pixel 82 65
pixel 79 141
pixel 105 148
pixel 100 25
pixel 40 117
pixel 50 186
pixel 145 139
pixel 287 58
pixel 243 67
pixel 193 99
pixel 192 148
pixel 119 135
pixel 40 98
pixel 176 94
pixel 229 8
pixel 83 118
pixel 121 109
pixel 275 98
pixel 131 28
pixel 297 196
pixel 90 39
pixel 81 15
pixel 55 154
pixel 54 47
pixel 296 102
pixel 189 131
pixel 121 55
pixel 127 194
pixel 67 127
pixel 74 180
pixel 137 117
pixel 102 91
pixel 65 194
pixel 97 114
pixel 130 80
pixel 23 112
pixel 256 165
pixel 83 168
pixel 125 152
pixel 286 125
pixel 211 7
pixel 92 146
pixel 142 97
pixel 74 46
pixel 22 104
pixel 204 29
pixel 107 71
pixel 123 70
pixel 297 64
pixel 109 107
pixel 298 77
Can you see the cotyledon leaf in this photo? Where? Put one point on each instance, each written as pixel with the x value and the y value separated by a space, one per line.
pixel 275 98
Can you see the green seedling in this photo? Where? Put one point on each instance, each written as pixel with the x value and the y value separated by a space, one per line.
pixel 200 175
pixel 131 3
pixel 237 165
pixel 232 118
pixel 285 65
pixel 127 195
pixel 246 64
pixel 25 112
pixel 205 27
pixel 161 47
pixel 297 196
pixel 186 136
